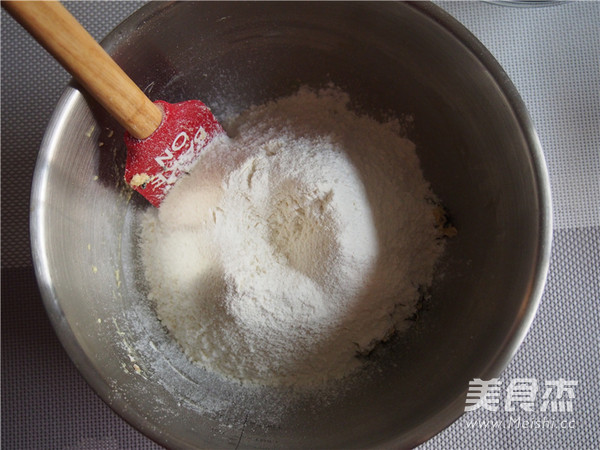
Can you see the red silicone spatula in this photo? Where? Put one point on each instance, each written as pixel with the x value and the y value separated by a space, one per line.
pixel 163 140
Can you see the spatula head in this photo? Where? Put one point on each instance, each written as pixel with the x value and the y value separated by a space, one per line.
pixel 154 164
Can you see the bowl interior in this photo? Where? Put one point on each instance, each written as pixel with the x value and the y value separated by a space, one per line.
pixel 476 148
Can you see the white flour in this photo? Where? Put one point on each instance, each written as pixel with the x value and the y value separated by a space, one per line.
pixel 294 245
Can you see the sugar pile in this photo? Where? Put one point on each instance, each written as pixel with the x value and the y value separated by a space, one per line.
pixel 295 244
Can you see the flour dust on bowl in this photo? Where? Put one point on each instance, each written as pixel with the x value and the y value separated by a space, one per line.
pixel 105 260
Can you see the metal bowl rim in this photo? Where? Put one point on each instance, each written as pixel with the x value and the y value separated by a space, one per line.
pixel 442 418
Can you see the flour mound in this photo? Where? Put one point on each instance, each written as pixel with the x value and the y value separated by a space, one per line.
pixel 294 245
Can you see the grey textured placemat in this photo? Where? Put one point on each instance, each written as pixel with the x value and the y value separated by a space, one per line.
pixel 553 57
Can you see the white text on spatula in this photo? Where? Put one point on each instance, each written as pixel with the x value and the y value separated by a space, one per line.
pixel 171 173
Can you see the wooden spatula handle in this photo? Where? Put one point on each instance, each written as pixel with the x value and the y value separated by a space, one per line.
pixel 65 39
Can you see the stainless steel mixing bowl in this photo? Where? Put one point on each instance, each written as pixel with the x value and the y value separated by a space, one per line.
pixel 477 146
